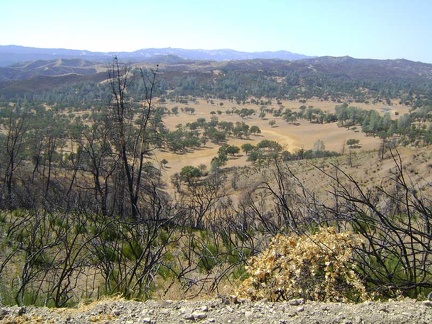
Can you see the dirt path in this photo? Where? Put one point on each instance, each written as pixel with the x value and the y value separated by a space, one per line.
pixel 224 311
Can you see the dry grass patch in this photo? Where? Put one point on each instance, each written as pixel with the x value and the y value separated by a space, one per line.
pixel 291 137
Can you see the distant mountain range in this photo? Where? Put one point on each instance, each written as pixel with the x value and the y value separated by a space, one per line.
pixel 12 54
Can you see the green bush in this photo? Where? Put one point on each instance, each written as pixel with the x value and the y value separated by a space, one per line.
pixel 209 258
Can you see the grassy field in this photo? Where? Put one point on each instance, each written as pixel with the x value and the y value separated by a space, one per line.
pixel 291 137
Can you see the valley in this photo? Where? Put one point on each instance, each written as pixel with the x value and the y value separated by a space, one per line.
pixel 177 180
pixel 292 137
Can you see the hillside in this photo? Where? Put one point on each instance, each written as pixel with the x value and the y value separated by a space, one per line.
pixel 331 67
pixel 175 183
pixel 327 78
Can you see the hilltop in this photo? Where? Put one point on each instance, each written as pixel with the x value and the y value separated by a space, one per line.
pixel 12 54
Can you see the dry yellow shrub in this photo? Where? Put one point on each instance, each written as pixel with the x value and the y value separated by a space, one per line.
pixel 315 267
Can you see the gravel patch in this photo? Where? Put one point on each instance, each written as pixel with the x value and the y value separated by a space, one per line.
pixel 225 311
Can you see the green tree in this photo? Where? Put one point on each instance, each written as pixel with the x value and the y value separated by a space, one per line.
pixel 404 124
pixel 255 130
pixel 247 147
pixel 175 110
pixel 353 143
pixel 188 173
pixel 222 158
pixel 232 150
pixel 164 162
pixel 269 144
pixel 254 156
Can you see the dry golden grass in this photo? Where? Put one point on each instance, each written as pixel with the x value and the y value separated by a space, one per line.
pixel 291 137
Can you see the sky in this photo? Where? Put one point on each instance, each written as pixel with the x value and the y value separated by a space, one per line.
pixel 377 29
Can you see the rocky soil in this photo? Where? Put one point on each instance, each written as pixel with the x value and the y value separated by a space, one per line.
pixel 225 311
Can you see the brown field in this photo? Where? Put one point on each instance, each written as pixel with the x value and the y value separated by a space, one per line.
pixel 291 137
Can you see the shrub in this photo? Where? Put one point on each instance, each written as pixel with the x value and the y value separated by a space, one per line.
pixel 315 267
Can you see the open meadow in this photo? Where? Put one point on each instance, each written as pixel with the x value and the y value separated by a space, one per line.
pixel 292 137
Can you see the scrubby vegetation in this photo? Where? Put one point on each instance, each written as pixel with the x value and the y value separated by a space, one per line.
pixel 86 211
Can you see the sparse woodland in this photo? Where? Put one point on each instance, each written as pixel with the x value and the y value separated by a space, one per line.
pixel 85 211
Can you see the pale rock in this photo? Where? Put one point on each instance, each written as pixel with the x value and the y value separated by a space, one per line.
pixel 427 303
pixel 296 302
pixel 199 315
pixel 248 314
pixel 116 312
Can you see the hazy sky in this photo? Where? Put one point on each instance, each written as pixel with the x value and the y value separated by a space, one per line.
pixel 380 29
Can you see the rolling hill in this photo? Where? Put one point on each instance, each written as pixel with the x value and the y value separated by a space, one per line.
pixel 326 77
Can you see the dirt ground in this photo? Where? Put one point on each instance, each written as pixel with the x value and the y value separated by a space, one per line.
pixel 223 311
